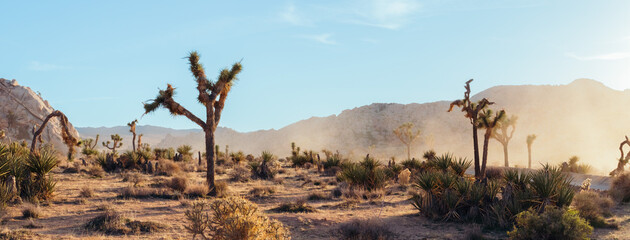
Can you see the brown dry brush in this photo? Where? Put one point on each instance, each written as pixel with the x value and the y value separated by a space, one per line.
pixel 212 94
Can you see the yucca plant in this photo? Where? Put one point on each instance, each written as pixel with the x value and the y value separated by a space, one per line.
pixel 42 163
pixel 547 184
pixel 442 162
pixel 263 169
pixel 451 203
pixel 460 166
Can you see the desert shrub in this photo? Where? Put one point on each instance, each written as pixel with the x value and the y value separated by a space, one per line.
pixel 144 192
pixel 6 234
pixel 86 192
pixel 130 160
pixel 413 165
pixel 366 230
pixel 593 207
pixel 201 190
pixel 367 174
pixel 178 184
pixel 185 151
pixel 233 218
pixel 494 173
pixel 31 211
pixel 168 168
pixel 553 223
pixel 96 171
pixel 620 187
pixel 264 169
pixel 573 166
pixel 223 189
pixel 475 233
pixel 134 177
pixel 262 191
pixel 299 206
pixel 334 160
pixel 113 223
pixel 318 196
pixel 240 174
pixel 237 157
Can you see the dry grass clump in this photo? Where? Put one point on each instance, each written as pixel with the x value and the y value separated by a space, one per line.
pixel 240 174
pixel 475 233
pixel 86 192
pixel 198 190
pixel 144 192
pixel 299 206
pixel 96 171
pixel 233 218
pixel 15 234
pixel 223 190
pixel 365 229
pixel 594 207
pixel 113 223
pixel 262 191
pixel 318 196
pixel 134 177
pixel 31 211
pixel 168 168
pixel 178 184
pixel 620 187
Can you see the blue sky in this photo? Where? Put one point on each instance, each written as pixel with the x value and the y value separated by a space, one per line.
pixel 97 61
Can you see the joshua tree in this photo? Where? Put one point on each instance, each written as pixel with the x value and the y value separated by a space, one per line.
pixel 407 135
pixel 530 140
pixel 502 135
pixel 471 111
pixel 132 129
pixel 140 142
pixel 116 143
pixel 89 145
pixel 622 160
pixel 212 95
pixel 67 137
pixel 489 122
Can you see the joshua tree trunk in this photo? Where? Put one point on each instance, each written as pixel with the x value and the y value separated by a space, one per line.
pixel 505 155
pixel 529 156
pixel 476 151
pixel 132 129
pixel 210 162
pixel 68 139
pixel 408 151
pixel 486 141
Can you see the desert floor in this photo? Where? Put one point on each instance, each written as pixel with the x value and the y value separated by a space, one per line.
pixel 64 217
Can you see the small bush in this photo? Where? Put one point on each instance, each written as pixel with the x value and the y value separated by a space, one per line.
pixel 412 164
pixel 475 234
pixel 620 187
pixel 144 192
pixel 593 207
pixel 223 190
pixel 233 218
pixel 299 206
pixel 96 171
pixel 168 168
pixel 261 191
pixel 366 229
pixel 31 211
pixel 86 192
pixel 134 177
pixel 367 174
pixel 264 169
pixel 240 174
pixel 404 176
pixel 318 196
pixel 178 184
pixel 553 223
pixel 113 223
pixel 199 190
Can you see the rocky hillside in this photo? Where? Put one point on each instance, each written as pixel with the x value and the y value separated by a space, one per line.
pixel 21 109
pixel 584 118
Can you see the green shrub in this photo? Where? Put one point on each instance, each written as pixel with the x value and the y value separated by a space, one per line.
pixel 300 206
pixel 553 223
pixel 368 174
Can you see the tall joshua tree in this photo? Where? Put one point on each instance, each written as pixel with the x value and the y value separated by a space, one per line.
pixel 116 143
pixel 67 137
pixel 212 95
pixel 530 140
pixel 471 111
pixel 503 136
pixel 489 122
pixel 407 135
pixel 132 129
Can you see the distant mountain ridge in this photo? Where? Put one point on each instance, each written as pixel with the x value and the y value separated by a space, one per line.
pixel 584 118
